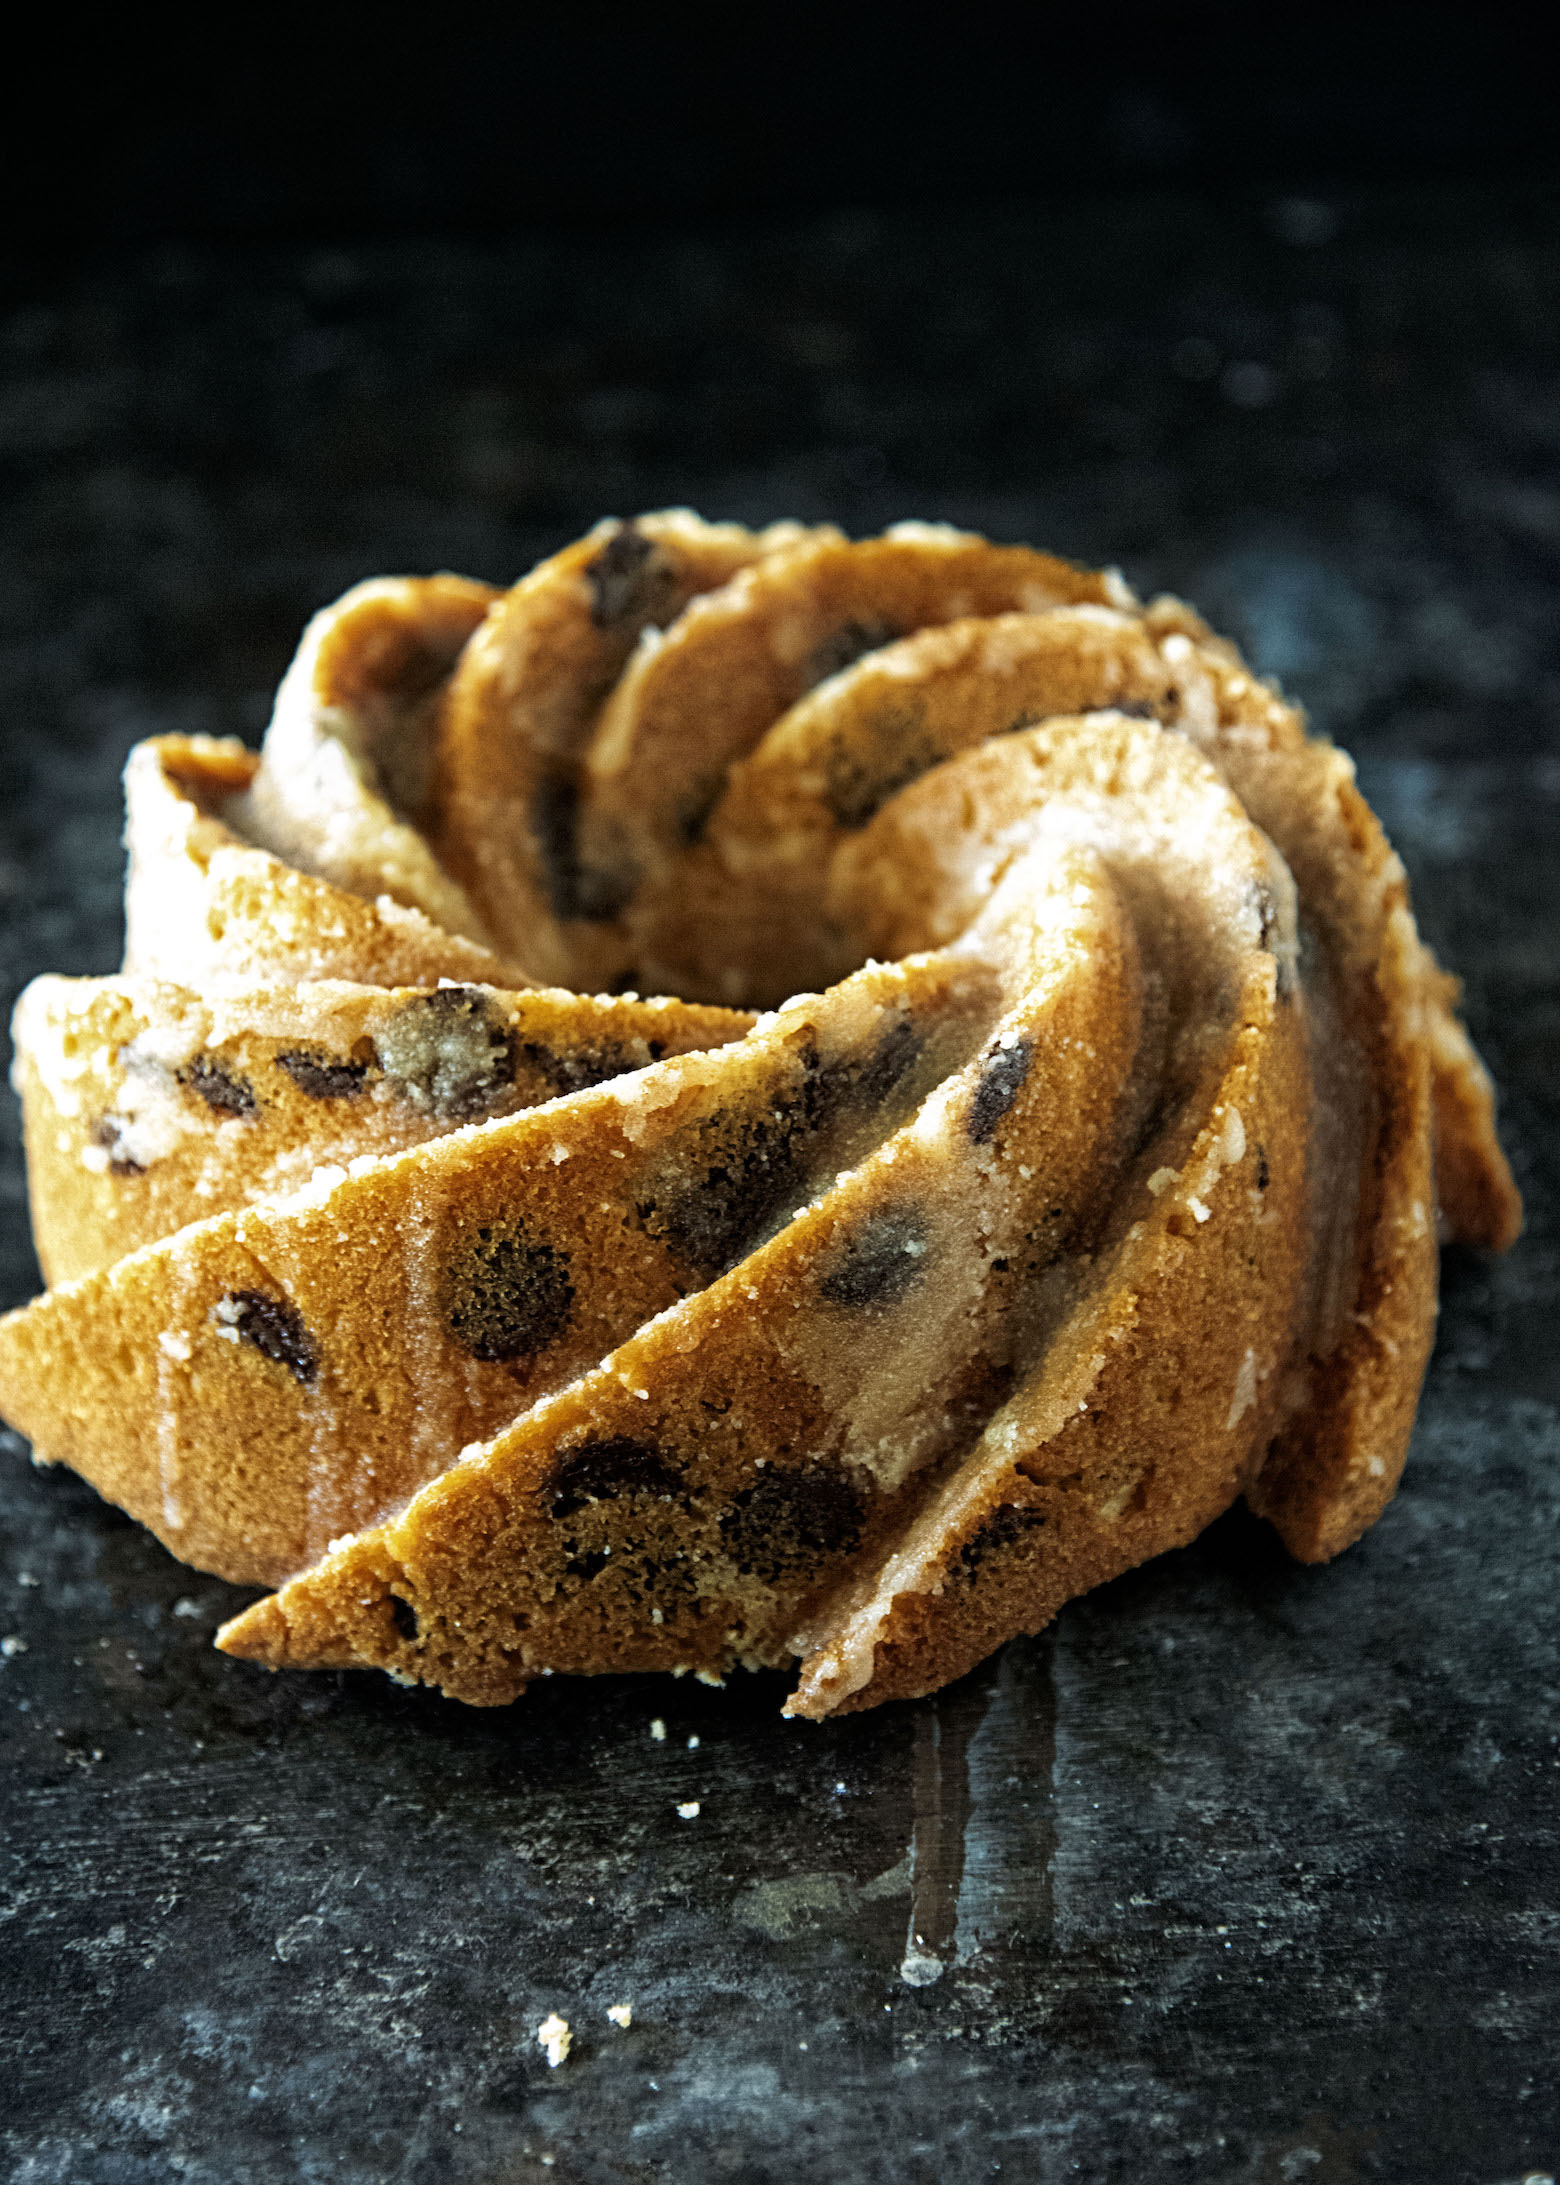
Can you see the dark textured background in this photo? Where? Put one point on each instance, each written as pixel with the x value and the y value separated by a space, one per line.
pixel 1243 1873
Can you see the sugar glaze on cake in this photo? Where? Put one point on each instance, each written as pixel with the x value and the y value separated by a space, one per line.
pixel 439 1237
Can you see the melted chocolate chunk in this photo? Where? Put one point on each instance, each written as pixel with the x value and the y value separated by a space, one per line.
pixel 321 1078
pixel 856 790
pixel 894 1056
pixel 1001 1530
pixel 882 1263
pixel 222 1092
pixel 574 890
pixel 404 1617
pixel 785 1517
pixel 272 1326
pixel 693 815
pixel 446 1052
pixel 843 647
pixel 853 1087
pixel 1264 1173
pixel 601 1471
pixel 109 1133
pixel 555 819
pixel 632 581
pixel 570 1073
pixel 508 1296
pixel 997 1087
pixel 710 1215
pixel 726 1184
pixel 603 894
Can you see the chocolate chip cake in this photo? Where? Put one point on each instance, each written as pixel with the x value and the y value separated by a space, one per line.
pixel 1034 1138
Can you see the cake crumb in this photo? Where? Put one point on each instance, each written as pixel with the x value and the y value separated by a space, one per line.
pixel 621 2014
pixel 554 2036
pixel 658 1730
pixel 690 1810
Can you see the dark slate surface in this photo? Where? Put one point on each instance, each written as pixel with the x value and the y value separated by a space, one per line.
pixel 1244 1873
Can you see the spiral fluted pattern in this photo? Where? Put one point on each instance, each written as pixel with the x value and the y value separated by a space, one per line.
pixel 1081 1175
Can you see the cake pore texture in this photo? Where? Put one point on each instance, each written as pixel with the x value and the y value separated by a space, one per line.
pixel 757 1100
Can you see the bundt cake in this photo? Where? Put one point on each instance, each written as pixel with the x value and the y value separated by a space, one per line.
pixel 1080 1174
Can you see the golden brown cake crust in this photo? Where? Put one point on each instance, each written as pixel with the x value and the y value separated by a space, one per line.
pixel 147 1106
pixel 1083 1176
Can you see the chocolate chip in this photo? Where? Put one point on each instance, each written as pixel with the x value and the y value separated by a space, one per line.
pixel 601 895
pixel 555 818
pixel 724 1185
pixel 320 1077
pixel 711 1214
pixel 849 1086
pixel 404 1617
pixel 272 1326
pixel 601 1471
pixel 786 1516
pixel 573 1072
pixel 508 1296
pixel 1002 1529
pixel 574 890
pixel 693 814
pixel 446 1051
pixel 632 580
pixel 109 1133
pixel 843 647
pixel 861 772
pixel 221 1090
pixel 894 1056
pixel 855 793
pixel 881 1263
pixel 997 1087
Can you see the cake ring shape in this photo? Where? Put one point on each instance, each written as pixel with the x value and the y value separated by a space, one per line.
pixel 508 1329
